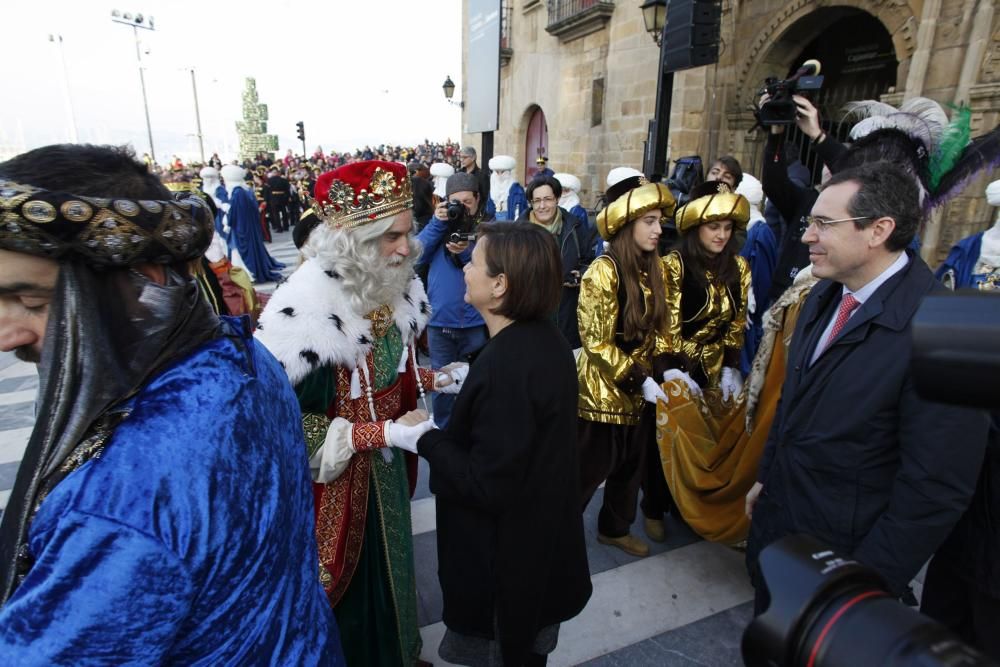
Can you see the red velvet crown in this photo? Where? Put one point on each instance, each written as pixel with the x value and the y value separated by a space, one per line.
pixel 362 192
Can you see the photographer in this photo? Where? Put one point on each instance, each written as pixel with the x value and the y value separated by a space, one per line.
pixel 456 329
pixel 793 202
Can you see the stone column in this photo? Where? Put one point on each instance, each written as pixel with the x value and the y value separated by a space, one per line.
pixel 922 55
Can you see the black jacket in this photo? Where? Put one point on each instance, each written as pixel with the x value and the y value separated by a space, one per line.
pixel 792 202
pixel 505 473
pixel 577 253
pixel 854 457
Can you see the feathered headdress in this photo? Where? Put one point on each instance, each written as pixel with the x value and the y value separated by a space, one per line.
pixel 919 136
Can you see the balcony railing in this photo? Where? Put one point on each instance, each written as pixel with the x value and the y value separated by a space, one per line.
pixel 572 19
pixel 506 48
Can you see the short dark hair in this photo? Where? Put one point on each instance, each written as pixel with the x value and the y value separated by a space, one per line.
pixel 87 170
pixel 539 181
pixel 884 190
pixel 529 256
pixel 732 165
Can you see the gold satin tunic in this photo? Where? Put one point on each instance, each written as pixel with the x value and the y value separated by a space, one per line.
pixel 602 364
pixel 706 347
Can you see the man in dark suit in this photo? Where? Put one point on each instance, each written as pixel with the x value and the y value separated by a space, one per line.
pixel 277 201
pixel 855 458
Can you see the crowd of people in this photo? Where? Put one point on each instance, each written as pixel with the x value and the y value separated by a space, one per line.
pixel 731 351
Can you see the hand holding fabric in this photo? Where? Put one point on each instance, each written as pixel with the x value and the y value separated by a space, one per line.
pixel 731 383
pixel 652 392
pixel 405 437
pixel 677 374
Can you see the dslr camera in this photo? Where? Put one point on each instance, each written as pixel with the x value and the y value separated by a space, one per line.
pixel 460 223
pixel 780 109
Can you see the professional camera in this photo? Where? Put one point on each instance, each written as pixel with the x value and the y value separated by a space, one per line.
pixel 780 109
pixel 831 611
pixel 460 223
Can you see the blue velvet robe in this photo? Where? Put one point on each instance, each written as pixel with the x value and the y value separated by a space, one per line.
pixel 517 204
pixel 190 538
pixel 222 196
pixel 761 250
pixel 962 260
pixel 245 233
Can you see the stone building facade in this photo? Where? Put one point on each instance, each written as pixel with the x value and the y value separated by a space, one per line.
pixel 578 80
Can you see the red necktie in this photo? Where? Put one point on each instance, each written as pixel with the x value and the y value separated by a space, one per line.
pixel 847 306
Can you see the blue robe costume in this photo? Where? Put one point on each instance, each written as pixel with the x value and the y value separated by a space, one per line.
pixel 222 196
pixel 962 261
pixel 189 538
pixel 761 250
pixel 246 235
pixel 517 204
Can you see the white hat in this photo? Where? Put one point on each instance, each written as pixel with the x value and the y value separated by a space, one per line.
pixel 619 174
pixel 442 169
pixel 752 189
pixel 233 174
pixel 209 172
pixel 568 181
pixel 993 193
pixel 502 163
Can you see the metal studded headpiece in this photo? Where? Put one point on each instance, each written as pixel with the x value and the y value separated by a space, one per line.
pixel 103 232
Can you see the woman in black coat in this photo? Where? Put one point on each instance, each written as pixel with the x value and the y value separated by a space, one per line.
pixel 511 555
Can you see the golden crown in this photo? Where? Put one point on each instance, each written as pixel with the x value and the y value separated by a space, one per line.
pixel 383 197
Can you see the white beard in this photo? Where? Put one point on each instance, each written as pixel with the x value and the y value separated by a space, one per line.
pixel 499 189
pixel 569 199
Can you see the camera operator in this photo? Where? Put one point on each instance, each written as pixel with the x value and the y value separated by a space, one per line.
pixel 793 202
pixel 455 329
pixel 855 457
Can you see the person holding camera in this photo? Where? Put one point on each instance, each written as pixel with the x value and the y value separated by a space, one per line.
pixel 792 201
pixel 456 329
pixel 855 457
pixel 543 194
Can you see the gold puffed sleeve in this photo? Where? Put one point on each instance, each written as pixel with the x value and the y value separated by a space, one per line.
pixel 737 328
pixel 673 277
pixel 597 314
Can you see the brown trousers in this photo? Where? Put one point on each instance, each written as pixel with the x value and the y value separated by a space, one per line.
pixel 615 454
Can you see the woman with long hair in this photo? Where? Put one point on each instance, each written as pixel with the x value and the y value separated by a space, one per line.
pixel 622 315
pixel 708 285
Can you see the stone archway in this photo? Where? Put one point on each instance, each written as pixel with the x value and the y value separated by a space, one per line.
pixel 536 141
pixel 800 22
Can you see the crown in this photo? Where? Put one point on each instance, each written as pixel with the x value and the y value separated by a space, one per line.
pixel 353 198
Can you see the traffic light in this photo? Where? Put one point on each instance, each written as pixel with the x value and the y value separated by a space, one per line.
pixel 302 130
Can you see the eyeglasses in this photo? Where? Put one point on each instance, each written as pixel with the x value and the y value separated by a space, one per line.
pixel 823 225
pixel 543 200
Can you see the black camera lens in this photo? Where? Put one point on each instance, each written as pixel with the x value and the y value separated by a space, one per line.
pixel 456 210
pixel 831 611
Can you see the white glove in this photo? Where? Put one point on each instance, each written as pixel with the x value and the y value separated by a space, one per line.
pixel 450 378
pixel 677 374
pixel 405 437
pixel 652 392
pixel 731 383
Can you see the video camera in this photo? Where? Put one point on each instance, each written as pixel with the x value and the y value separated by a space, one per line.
pixel 780 109
pixel 831 611
pixel 460 223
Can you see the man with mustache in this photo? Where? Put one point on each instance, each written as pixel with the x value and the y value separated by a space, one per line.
pixel 344 327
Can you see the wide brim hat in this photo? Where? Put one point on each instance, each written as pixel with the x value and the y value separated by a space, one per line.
pixel 631 199
pixel 712 201
pixel 360 193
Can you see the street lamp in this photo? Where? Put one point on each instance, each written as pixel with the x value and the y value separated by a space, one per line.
pixel 654 15
pixel 449 91
pixel 146 23
pixel 58 41
pixel 654 164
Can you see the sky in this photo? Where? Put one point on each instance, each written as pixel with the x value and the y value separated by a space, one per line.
pixel 355 73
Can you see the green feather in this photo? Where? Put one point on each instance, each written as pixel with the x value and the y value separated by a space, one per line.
pixel 956 137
